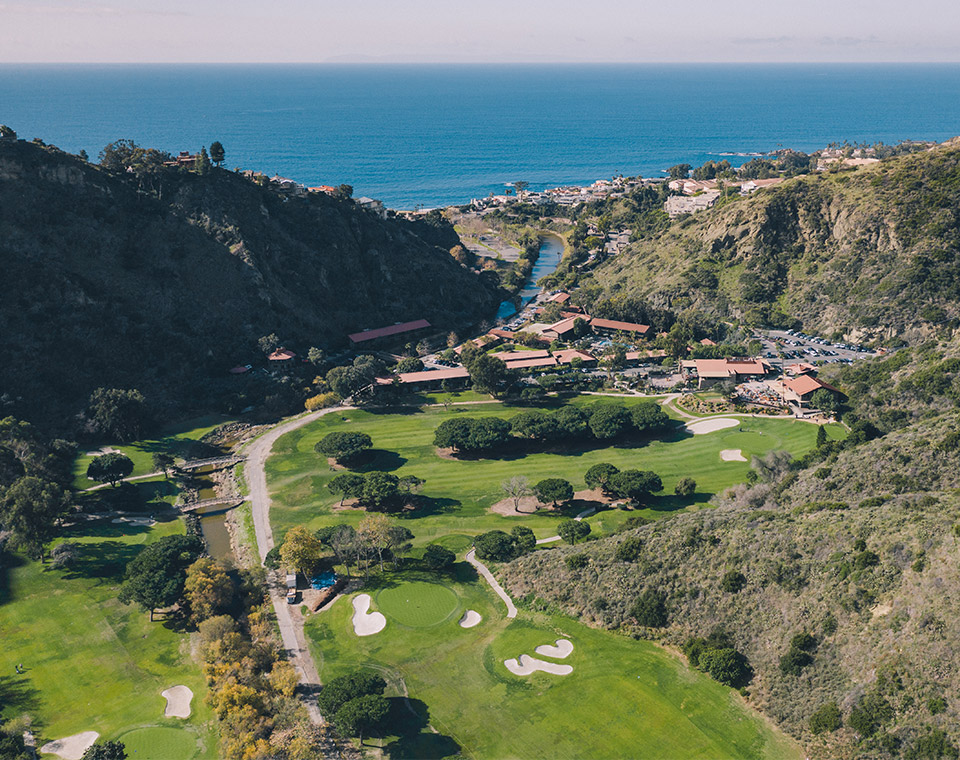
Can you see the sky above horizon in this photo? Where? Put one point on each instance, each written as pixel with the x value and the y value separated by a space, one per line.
pixel 387 31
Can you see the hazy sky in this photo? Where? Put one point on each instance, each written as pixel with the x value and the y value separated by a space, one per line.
pixel 478 30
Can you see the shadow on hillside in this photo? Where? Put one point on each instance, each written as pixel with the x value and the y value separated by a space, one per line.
pixel 17 695
pixel 670 503
pixel 428 506
pixel 409 721
pixel 464 572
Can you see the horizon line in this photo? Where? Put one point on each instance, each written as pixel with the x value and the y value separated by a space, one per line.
pixel 482 63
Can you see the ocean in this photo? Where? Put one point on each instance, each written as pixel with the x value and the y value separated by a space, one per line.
pixel 429 135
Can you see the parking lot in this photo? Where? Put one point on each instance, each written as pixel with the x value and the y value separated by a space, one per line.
pixel 797 347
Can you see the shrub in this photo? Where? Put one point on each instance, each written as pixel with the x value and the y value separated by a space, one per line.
pixel 826 718
pixel 650 609
pixel 870 714
pixel 685 487
pixel 577 561
pixel 932 743
pixel 727 665
pixel 572 531
pixel 733 581
pixel 525 539
pixel 629 550
pixel 936 705
pixel 321 401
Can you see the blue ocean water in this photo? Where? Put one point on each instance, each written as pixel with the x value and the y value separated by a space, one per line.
pixel 431 135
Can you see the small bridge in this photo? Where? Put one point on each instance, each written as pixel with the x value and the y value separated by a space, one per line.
pixel 225 503
pixel 196 464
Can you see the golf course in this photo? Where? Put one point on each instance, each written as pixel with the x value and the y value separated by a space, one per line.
pixel 611 696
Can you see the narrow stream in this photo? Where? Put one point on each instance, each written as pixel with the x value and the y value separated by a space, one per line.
pixel 214 526
pixel 551 251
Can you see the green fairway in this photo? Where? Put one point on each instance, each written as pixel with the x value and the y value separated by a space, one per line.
pixel 177 441
pixel 417 605
pixel 625 698
pixel 459 492
pixel 91 663
pixel 160 743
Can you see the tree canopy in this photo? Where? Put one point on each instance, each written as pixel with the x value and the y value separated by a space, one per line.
pixel 553 490
pixel 156 576
pixel 572 531
pixel 30 509
pixel 117 413
pixel 110 468
pixel 343 446
pixel 495 545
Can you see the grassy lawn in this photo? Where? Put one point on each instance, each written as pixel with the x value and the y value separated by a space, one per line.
pixel 460 492
pixel 91 662
pixel 175 440
pixel 625 698
pixel 160 743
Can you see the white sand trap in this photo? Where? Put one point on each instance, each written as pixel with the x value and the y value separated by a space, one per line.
pixel 71 748
pixel 529 665
pixel 366 623
pixel 710 426
pixel 178 702
pixel 733 455
pixel 470 618
pixel 563 649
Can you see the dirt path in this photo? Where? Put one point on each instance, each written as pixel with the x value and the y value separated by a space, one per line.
pixel 291 627
pixel 494 584
pixel 125 480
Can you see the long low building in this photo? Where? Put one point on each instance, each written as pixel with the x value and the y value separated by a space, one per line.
pixel 566 327
pixel 710 371
pixel 390 330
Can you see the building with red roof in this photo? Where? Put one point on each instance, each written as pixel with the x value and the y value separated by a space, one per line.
pixel 377 333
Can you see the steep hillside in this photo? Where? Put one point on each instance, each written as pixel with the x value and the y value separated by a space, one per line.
pixel 868 252
pixel 155 281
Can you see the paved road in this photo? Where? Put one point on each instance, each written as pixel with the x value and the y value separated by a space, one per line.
pixel 488 577
pixel 578 518
pixel 291 628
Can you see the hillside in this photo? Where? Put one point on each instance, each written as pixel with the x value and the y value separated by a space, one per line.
pixel 871 252
pixel 164 281
pixel 858 549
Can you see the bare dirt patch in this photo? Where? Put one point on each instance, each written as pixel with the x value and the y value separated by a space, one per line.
pixel 581 501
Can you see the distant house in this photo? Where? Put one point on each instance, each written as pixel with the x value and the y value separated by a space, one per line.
pixel 562 329
pixel 798 390
pixel 183 159
pixel 800 368
pixel 325 189
pixel 611 326
pixel 364 336
pixel 711 371
pixel 369 204
pixel 559 298
pixel 756 184
pixel 676 205
pixel 282 355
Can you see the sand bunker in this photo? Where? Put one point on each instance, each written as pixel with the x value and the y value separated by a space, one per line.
pixel 528 665
pixel 709 426
pixel 73 747
pixel 178 702
pixel 366 623
pixel 733 455
pixel 563 649
pixel 470 618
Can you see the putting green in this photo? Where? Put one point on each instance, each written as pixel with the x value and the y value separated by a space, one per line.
pixel 418 604
pixel 160 743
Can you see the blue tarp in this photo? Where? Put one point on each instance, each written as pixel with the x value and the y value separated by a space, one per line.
pixel 324 580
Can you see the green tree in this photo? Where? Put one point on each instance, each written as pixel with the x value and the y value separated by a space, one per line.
pixel 726 665
pixel 600 474
pixel 572 531
pixel 30 509
pixel 217 154
pixel 629 550
pixel 156 576
pixel 870 714
pixel 117 413
pixel 488 374
pixel 571 422
pixel 733 581
pixel 650 609
pixel 340 690
pixel 438 558
pixel 635 484
pixel 348 484
pixel 495 545
pixel 553 491
pixel 608 421
pixel 453 434
pixel 12 746
pixel 648 417
pixel 343 446
pixel 163 462
pixel 535 425
pixel 343 192
pixel 380 488
pixel 316 356
pixel 268 344
pixel 826 718
pixel 679 171
pixel 685 487
pixel 103 750
pixel 409 364
pixel 110 468
pixel 823 400
pixel 202 165
pixel 524 538
pixel 362 715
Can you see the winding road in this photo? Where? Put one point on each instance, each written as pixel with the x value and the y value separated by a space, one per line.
pixel 291 628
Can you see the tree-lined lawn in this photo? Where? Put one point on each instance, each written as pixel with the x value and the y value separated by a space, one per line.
pixel 458 492
pixel 625 698
pixel 92 663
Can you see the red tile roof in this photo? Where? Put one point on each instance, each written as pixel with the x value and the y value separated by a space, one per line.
pixel 613 324
pixel 282 355
pixel 509 356
pixel 383 332
pixel 548 361
pixel 425 376
pixel 567 355
pixel 804 384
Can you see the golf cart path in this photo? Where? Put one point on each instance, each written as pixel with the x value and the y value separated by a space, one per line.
pixel 291 633
pixel 494 584
pixel 578 518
